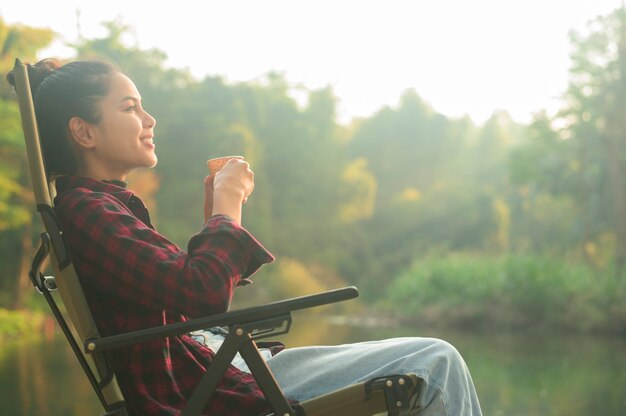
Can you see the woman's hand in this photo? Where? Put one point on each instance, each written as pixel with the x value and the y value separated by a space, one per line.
pixel 208 197
pixel 228 189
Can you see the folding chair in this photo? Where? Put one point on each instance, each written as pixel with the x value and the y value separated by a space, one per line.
pixel 389 394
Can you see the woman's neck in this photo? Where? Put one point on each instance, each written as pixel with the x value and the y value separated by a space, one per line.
pixel 101 174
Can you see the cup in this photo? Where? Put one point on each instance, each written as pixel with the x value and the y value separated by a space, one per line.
pixel 218 163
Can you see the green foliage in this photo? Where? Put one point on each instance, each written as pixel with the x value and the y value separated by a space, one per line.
pixel 439 183
pixel 19 41
pixel 16 208
pixel 596 99
pixel 368 199
pixel 514 291
pixel 14 212
pixel 360 185
pixel 22 42
pixel 19 323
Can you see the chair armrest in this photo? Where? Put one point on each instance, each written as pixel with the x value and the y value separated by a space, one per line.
pixel 240 316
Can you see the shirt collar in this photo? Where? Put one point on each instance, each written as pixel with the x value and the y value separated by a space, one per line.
pixel 113 187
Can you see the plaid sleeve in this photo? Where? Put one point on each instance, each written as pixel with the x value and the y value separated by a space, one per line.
pixel 134 262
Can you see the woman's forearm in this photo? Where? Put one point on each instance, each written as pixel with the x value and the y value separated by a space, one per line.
pixel 228 202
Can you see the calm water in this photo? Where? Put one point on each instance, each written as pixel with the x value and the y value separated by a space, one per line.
pixel 515 374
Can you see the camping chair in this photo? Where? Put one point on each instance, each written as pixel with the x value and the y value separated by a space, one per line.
pixel 389 394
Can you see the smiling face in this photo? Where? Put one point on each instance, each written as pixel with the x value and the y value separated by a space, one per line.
pixel 122 140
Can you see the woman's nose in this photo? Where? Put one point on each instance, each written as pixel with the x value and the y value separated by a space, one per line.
pixel 149 121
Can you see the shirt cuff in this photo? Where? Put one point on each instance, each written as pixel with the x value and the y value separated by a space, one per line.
pixel 257 254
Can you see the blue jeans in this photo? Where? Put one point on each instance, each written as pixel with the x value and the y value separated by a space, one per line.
pixel 447 389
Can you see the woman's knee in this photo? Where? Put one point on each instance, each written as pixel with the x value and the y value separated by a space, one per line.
pixel 447 356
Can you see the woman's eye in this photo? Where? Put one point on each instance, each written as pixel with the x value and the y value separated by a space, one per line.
pixel 131 108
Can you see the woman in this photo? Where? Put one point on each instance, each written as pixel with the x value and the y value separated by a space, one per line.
pixel 94 132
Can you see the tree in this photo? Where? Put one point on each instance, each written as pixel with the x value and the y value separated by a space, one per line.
pixel 16 202
pixel 19 41
pixel 596 103
pixel 545 181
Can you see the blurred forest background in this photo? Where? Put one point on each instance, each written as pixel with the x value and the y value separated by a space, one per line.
pixel 494 226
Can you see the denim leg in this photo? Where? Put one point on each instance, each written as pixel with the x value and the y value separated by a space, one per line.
pixel 213 338
pixel 447 388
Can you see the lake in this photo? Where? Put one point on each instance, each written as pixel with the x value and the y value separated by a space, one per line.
pixel 515 373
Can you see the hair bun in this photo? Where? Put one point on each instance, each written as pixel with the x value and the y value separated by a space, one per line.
pixel 37 73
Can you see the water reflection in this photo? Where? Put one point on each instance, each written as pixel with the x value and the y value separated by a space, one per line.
pixel 41 377
pixel 515 374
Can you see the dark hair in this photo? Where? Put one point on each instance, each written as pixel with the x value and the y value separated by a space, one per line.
pixel 61 92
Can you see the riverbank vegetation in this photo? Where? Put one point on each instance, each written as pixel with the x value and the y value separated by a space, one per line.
pixel 390 202
pixel 513 292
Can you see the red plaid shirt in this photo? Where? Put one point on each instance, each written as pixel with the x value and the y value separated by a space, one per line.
pixel 135 278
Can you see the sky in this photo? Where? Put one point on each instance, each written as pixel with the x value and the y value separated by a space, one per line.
pixel 463 57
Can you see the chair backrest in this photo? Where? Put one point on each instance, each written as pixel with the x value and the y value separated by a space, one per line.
pixel 66 278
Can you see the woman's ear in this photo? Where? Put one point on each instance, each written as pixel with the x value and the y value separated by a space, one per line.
pixel 81 133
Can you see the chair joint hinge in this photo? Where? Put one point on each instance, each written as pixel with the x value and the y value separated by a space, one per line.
pixel 398 390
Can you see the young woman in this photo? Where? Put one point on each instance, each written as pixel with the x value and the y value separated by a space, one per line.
pixel 94 132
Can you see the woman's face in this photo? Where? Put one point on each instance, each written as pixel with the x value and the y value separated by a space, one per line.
pixel 124 135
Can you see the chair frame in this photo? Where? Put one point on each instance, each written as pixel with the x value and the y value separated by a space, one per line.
pixel 246 326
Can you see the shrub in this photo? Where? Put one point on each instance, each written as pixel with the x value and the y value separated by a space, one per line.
pixel 515 291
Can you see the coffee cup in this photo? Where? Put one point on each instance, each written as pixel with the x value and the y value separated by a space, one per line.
pixel 216 164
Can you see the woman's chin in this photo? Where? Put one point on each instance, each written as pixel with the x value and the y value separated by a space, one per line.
pixel 150 162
